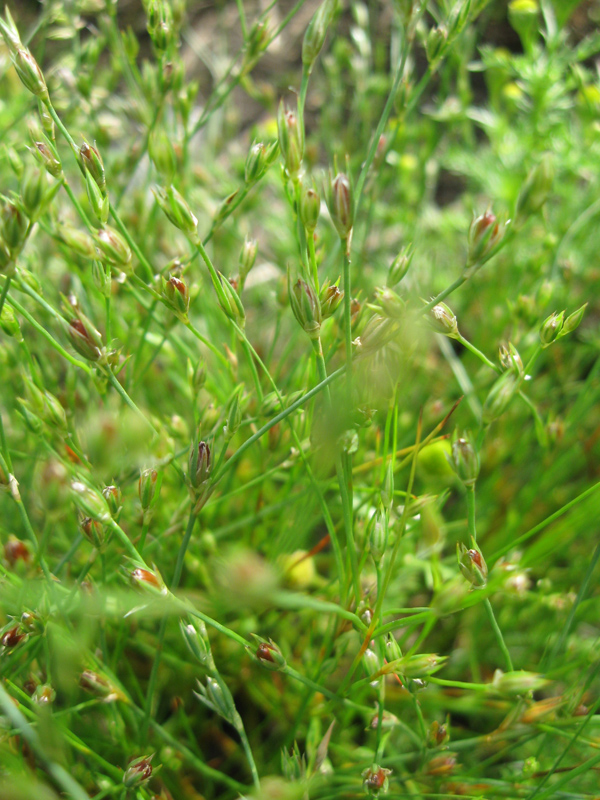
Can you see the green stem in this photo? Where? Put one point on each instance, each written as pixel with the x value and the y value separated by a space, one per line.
pixel 5 291
pixel 120 390
pixel 348 326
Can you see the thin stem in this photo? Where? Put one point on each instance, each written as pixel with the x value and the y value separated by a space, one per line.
pixel 120 390
pixel 5 291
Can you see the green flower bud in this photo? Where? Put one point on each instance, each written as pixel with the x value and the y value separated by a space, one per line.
pixel 54 412
pixel 438 735
pixel 464 460
pixel 93 531
pixel 78 241
pixel 159 23
pixel 13 227
pixel 436 43
pixel 234 415
pixel 99 203
pixel 138 772
pixel 177 210
pixel 376 780
pixel 310 208
pixel 305 306
pixel 518 682
pixel 340 200
pixel 162 154
pixel 291 140
pixel 314 37
pixel 196 639
pixel 85 339
pixel 30 418
pixel 177 295
pixel 499 397
pixel 90 502
pixel 93 164
pixel 392 649
pixel 220 699
pixel 9 323
pixel 32 192
pixel 113 247
pixel 230 301
pixel 484 234
pixel 10 32
pixel 551 328
pixel 30 73
pixel 420 665
pixel 442 320
pixel 399 266
pixel 7 264
pixel 196 376
pixel 390 303
pixel 330 298
pixel 45 153
pixel 199 464
pixel 147 487
pixel 573 321
pixel 267 654
pixel 114 499
pixel 247 258
pixel 259 159
pixel 509 358
pixel 523 15
pixel 472 564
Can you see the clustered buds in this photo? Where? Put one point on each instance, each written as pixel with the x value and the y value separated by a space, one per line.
pixel 556 326
pixel 472 564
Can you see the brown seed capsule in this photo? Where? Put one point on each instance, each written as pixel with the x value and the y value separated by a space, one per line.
pixel 12 637
pixel 15 550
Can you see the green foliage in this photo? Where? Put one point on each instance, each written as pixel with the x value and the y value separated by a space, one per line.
pixel 248 548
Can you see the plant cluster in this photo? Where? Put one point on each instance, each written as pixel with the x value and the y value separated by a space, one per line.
pixel 300 368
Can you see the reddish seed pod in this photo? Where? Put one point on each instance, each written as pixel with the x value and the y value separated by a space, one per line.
pixel 15 550
pixel 12 637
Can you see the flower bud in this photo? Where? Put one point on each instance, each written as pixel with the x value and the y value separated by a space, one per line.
pixel 420 665
pixel 330 298
pixel 199 464
pixel 499 397
pixel 177 295
pixel 30 73
pixel 378 537
pixel 573 321
pixel 551 328
pixel 310 208
pixel 484 235
pixel 159 23
pixel 472 564
pixel 93 164
pixel 509 358
pixel 399 266
pixel 376 780
pixel 268 654
pixel 230 301
pixel 523 17
pixel 13 228
pixel 442 320
pixel 534 192
pixel 99 203
pixel 340 201
pixel 196 638
pixel 234 415
pixel 32 192
pixel 76 240
pixel 219 698
pixel 247 258
pixel 147 579
pixel 314 37
pixel 93 531
pixel 12 637
pixel 162 154
pixel 16 550
pixel 259 159
pixel 518 682
pixel 138 772
pixel 435 44
pixel 113 247
pixel 196 376
pixel 91 502
pixel 464 460
pixel 437 735
pixel 7 264
pixel 147 487
pixel 45 153
pixel 177 210
pixel 291 140
pixel 10 32
pixel 114 499
pixel 305 306
pixel 9 323
pixel 85 339
pixel 390 303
